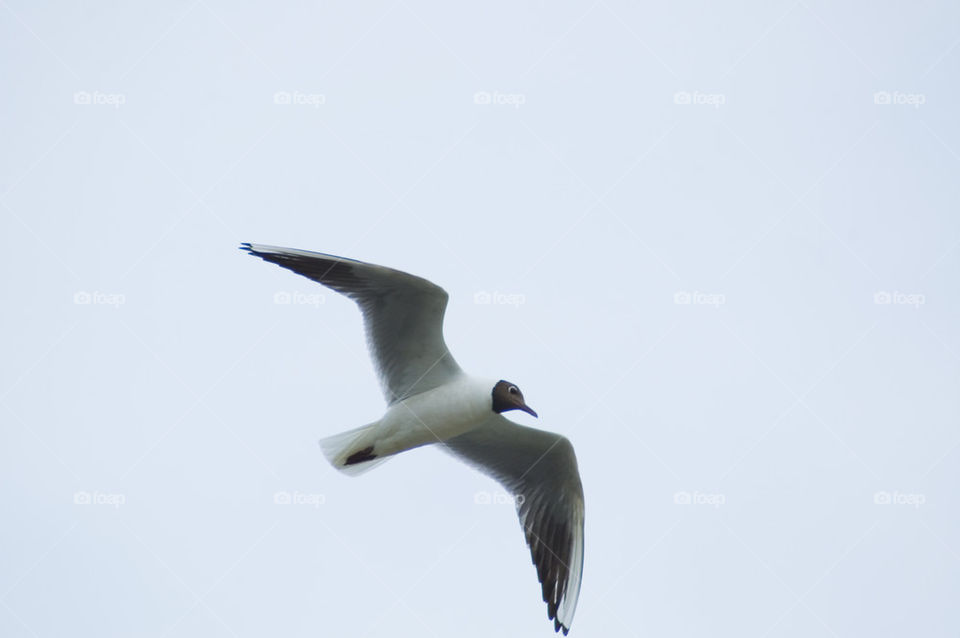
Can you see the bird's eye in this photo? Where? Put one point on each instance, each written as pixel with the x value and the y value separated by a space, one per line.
pixel 514 390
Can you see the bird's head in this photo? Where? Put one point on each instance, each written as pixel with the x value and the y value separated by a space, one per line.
pixel 507 396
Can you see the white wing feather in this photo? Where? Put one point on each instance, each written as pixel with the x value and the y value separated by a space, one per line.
pixel 402 314
pixel 540 469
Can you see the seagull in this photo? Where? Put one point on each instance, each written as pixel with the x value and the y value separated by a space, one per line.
pixel 430 400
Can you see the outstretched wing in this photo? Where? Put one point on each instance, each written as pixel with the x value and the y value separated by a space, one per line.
pixel 540 469
pixel 402 314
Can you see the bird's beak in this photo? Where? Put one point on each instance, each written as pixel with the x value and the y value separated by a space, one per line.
pixel 526 408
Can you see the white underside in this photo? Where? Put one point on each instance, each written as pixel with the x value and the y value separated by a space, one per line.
pixel 435 415
pixel 430 417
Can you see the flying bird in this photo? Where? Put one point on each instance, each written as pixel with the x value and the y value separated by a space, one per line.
pixel 430 400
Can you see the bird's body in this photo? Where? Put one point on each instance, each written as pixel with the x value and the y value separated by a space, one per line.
pixel 436 415
pixel 430 400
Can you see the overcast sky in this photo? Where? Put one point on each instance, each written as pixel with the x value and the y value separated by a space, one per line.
pixel 716 245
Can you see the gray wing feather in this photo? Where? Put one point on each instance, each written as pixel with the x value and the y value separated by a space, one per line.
pixel 540 469
pixel 402 316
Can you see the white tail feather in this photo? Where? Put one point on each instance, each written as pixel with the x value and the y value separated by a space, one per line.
pixel 339 447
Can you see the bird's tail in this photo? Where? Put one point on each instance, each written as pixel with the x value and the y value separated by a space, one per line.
pixel 353 452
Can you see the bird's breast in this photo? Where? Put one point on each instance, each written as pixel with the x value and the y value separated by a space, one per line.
pixel 436 415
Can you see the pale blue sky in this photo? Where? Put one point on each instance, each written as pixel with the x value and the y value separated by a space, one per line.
pixel 716 244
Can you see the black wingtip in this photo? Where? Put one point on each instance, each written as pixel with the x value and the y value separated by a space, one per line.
pixel 247 246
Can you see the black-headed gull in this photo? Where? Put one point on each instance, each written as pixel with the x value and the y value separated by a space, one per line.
pixel 431 400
